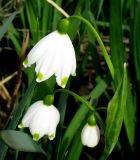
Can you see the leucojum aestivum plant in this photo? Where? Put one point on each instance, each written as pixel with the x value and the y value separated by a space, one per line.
pixel 54 55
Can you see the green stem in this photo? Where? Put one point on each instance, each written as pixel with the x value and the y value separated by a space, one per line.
pixel 86 103
pixel 105 54
pixel 76 97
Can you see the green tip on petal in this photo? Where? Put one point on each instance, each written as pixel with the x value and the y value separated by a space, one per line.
pixel 21 125
pixel 74 74
pixel 63 26
pixel 25 62
pixel 36 137
pixel 64 82
pixel 48 100
pixel 91 120
pixel 51 137
pixel 39 77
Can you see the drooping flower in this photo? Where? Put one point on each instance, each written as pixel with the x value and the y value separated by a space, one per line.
pixel 41 119
pixel 53 55
pixel 90 135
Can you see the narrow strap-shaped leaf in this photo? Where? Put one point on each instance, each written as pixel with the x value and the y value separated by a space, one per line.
pixel 6 24
pixel 116 39
pixel 16 117
pixel 20 141
pixel 76 147
pixel 72 130
pixel 115 116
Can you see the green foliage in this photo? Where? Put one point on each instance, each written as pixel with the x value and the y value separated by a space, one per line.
pixel 20 141
pixel 100 75
pixel 115 116
pixel 6 24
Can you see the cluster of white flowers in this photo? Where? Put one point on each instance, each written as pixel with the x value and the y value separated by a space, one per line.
pixel 53 55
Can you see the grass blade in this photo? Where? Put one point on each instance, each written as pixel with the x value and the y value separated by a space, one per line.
pixel 116 39
pixel 115 116
pixel 6 24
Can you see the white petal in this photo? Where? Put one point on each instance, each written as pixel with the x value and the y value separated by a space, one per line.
pixel 41 48
pixel 31 112
pixel 67 61
pixel 45 121
pixel 90 135
pixel 54 122
pixel 47 66
pixel 40 122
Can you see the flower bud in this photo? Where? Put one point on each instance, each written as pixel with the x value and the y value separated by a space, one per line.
pixel 90 135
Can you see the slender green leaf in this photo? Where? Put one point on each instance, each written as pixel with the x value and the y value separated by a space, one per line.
pixel 76 147
pixel 130 118
pixel 72 130
pixel 115 116
pixel 20 141
pixel 32 20
pixel 100 8
pixel 56 15
pixel 136 42
pixel 116 39
pixel 15 38
pixel 17 115
pixel 62 104
pixel 6 24
pixel 45 17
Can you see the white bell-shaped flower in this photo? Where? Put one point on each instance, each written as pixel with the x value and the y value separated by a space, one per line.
pixel 41 120
pixel 53 55
pixel 90 135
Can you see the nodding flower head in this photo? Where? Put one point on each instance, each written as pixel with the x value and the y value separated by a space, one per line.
pixel 54 55
pixel 90 135
pixel 41 119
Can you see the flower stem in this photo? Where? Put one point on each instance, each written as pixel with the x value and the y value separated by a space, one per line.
pixel 86 103
pixel 105 54
pixel 76 97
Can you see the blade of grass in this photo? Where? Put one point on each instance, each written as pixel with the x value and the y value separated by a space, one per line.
pixel 6 23
pixel 56 15
pixel 116 39
pixel 16 116
pixel 15 38
pixel 115 116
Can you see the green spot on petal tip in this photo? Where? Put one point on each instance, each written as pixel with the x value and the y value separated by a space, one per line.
pixel 36 137
pixel 52 136
pixel 39 76
pixel 25 62
pixel 74 74
pixel 64 82
pixel 21 125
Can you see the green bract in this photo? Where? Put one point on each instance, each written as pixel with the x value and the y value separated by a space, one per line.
pixel 63 26
pixel 48 100
pixel 91 120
